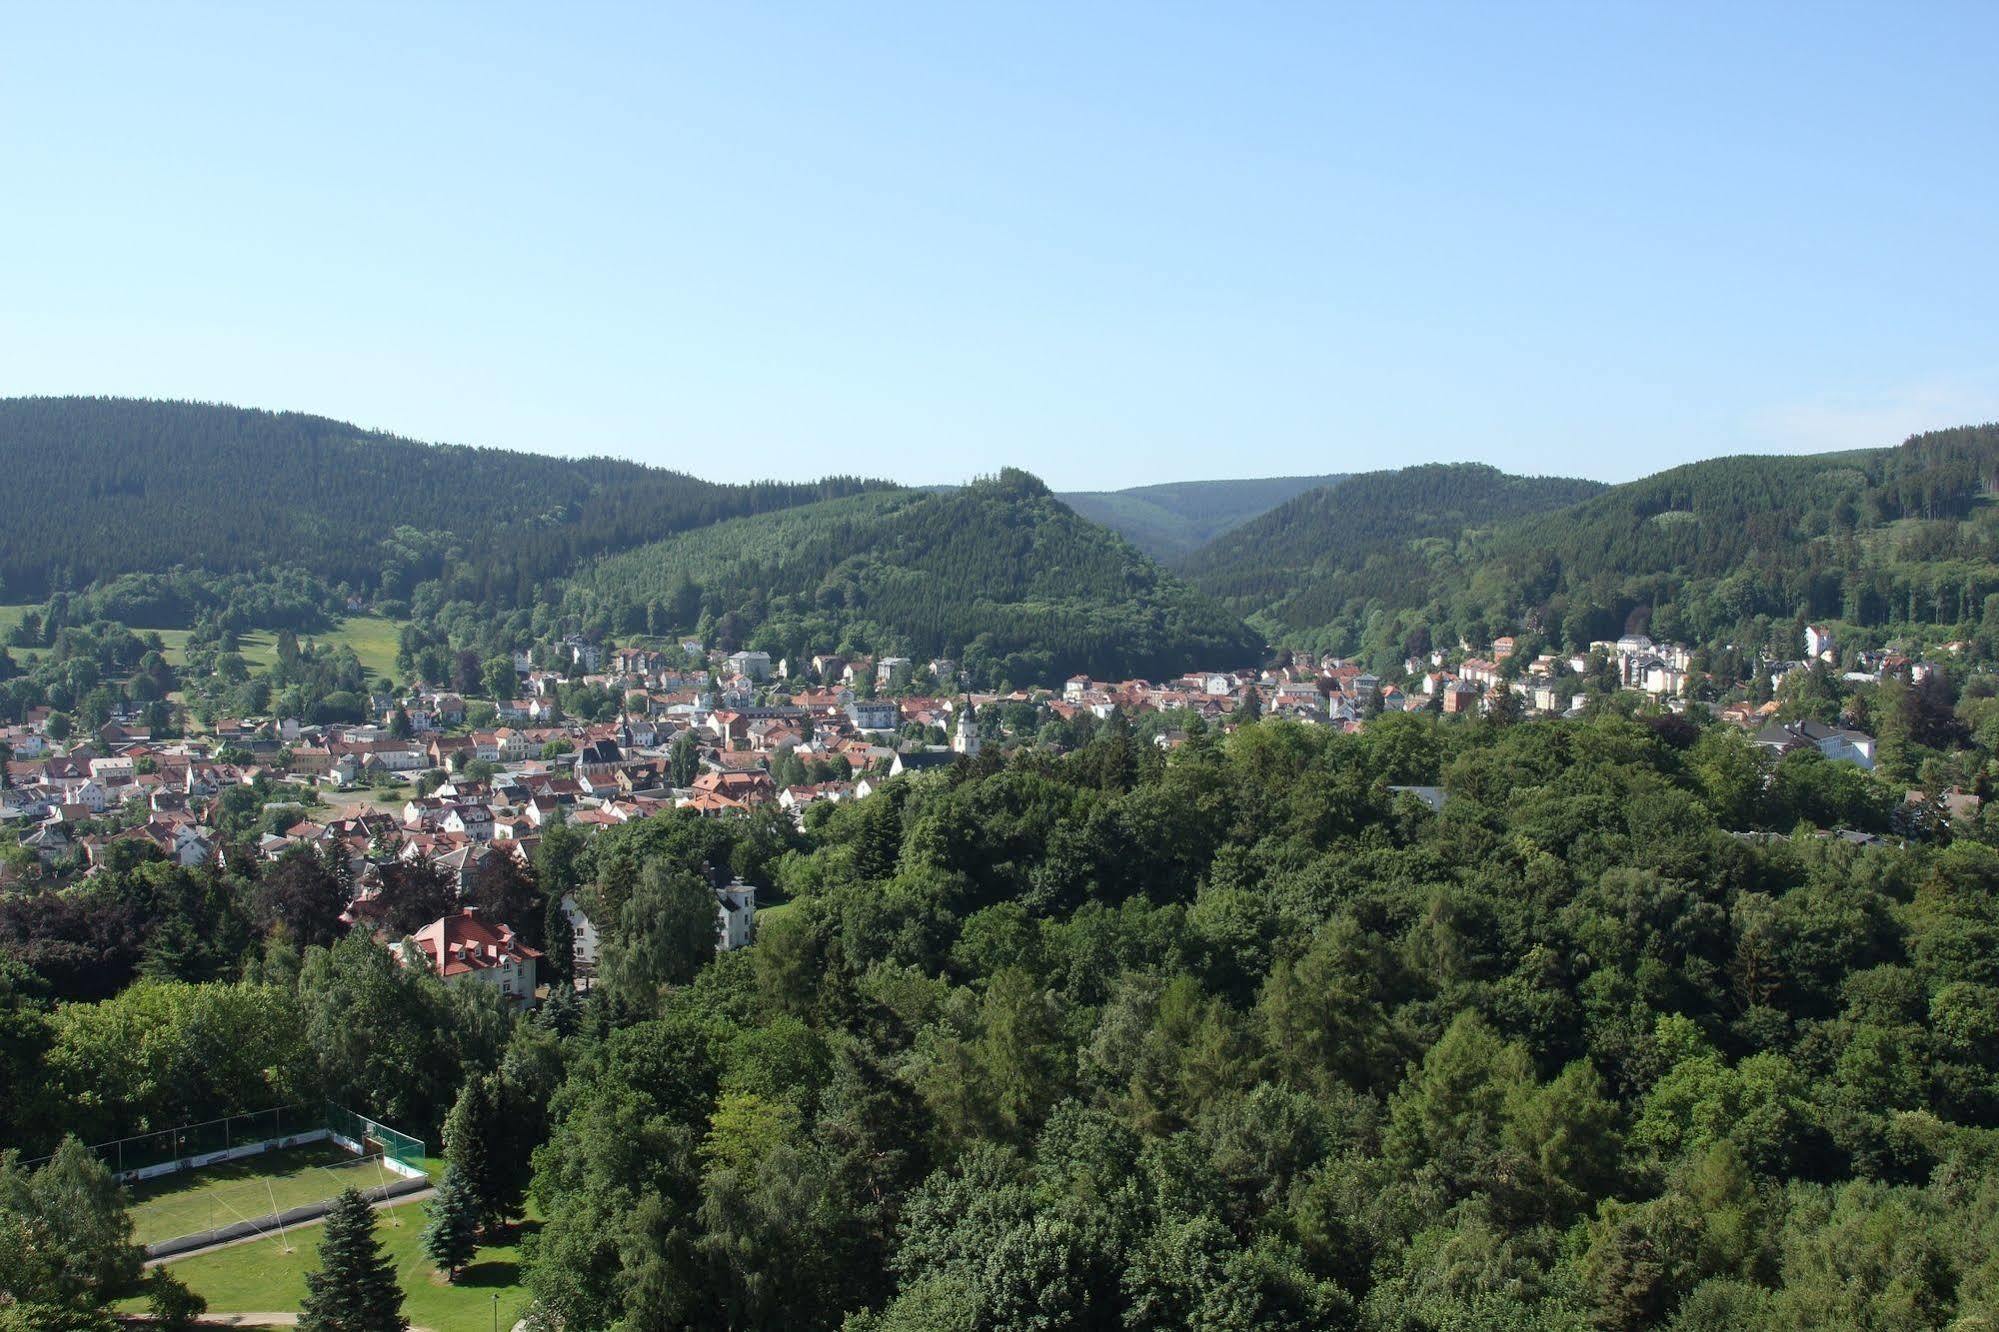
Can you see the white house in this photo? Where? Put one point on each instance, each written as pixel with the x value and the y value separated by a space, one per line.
pixel 398 755
pixel 1818 641
pixel 1834 742
pixel 736 916
pixel 475 821
pixel 114 771
pixel 463 949
pixel 1662 680
pixel 756 665
pixel 588 945
pixel 191 846
pixel 873 715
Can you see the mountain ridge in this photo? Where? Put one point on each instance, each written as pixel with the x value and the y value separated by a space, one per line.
pixel 999 570
pixel 103 486
pixel 1304 561
pixel 1740 550
pixel 1171 520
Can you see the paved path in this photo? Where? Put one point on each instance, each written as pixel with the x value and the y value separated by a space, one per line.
pixel 251 1319
pixel 248 1320
pixel 270 1320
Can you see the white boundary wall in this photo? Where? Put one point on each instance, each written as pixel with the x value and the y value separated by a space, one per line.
pixel 236 1153
pixel 247 1149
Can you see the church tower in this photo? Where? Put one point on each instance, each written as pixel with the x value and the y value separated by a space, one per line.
pixel 966 741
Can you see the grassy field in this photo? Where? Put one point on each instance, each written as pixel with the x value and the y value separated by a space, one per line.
pixel 363 800
pixel 372 638
pixel 261 1278
pixel 244 1190
pixel 10 617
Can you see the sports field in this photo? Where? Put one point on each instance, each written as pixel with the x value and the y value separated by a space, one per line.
pixel 260 1277
pixel 247 1190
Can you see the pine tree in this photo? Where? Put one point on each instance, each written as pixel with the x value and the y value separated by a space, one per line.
pixel 452 1236
pixel 469 1141
pixel 355 1288
pixel 558 957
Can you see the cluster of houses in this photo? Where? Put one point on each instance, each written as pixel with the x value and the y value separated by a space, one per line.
pixel 707 733
pixel 1478 680
pixel 58 798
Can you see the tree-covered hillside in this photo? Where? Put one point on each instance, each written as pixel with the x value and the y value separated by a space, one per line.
pixel 1310 562
pixel 1235 1039
pixel 104 486
pixel 1232 1037
pixel 1744 550
pixel 1171 521
pixel 999 571
pixel 1903 535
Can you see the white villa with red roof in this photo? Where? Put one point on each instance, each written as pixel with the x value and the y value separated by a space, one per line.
pixel 462 946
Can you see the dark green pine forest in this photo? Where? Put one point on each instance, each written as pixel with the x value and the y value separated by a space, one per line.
pixel 105 486
pixel 1744 550
pixel 1173 519
pixel 999 574
pixel 165 514
pixel 1334 551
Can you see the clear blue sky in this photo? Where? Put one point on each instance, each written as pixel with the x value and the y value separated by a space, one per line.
pixel 1109 244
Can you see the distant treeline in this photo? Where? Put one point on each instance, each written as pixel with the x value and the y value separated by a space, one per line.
pixel 997 571
pixel 103 486
pixel 1709 552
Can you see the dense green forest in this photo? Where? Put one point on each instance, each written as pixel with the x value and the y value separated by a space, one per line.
pixel 1888 542
pixel 1227 1038
pixel 1896 538
pixel 998 571
pixel 184 515
pixel 1172 520
pixel 106 486
pixel 1329 551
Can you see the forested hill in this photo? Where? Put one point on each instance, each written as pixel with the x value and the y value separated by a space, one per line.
pixel 1309 561
pixel 102 486
pixel 1898 543
pixel 1171 521
pixel 1000 571
pixel 1901 535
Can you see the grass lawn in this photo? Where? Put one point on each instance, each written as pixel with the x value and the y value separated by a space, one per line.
pixel 361 799
pixel 769 915
pixel 372 637
pixel 256 1186
pixel 10 618
pixel 262 1278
